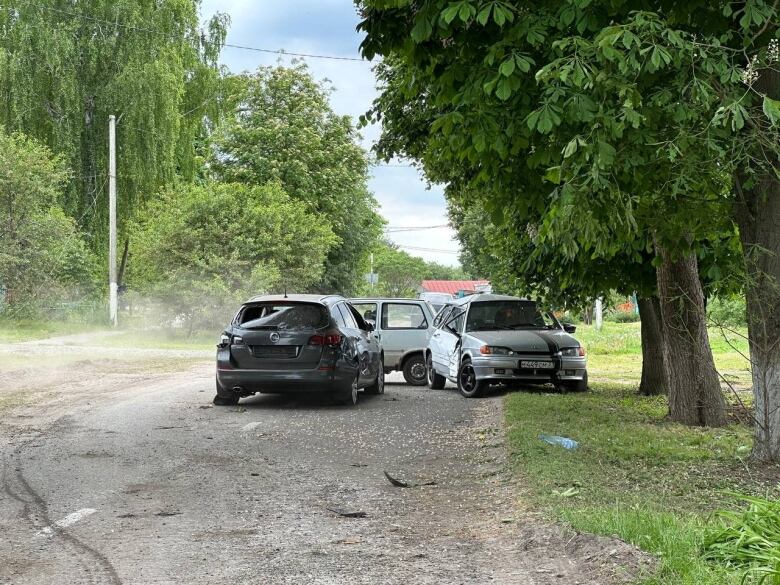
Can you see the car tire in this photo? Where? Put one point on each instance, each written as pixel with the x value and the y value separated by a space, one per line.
pixel 349 397
pixel 378 387
pixel 435 381
pixel 577 385
pixel 415 370
pixel 468 385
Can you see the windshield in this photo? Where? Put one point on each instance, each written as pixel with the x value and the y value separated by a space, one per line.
pixel 492 315
pixel 286 316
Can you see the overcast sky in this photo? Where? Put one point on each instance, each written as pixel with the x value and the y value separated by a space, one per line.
pixel 327 27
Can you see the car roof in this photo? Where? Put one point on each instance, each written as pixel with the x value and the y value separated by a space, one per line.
pixel 301 298
pixel 384 299
pixel 485 298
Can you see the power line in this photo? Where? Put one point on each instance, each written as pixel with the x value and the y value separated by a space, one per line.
pixel 281 52
pixel 433 250
pixel 285 53
pixel 415 228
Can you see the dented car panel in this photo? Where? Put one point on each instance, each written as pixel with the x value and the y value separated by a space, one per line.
pixel 296 343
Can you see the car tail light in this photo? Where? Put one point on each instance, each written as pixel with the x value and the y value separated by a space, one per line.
pixel 329 338
pixel 582 351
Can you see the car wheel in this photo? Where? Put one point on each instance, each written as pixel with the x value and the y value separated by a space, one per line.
pixel 378 387
pixel 415 370
pixel 435 381
pixel 349 397
pixel 468 385
pixel 577 385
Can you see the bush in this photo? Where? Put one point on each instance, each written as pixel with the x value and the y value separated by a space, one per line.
pixel 200 250
pixel 622 317
pixel 43 258
pixel 730 311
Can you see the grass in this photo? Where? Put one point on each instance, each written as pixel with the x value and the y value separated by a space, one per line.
pixel 636 475
pixel 18 331
pixel 163 339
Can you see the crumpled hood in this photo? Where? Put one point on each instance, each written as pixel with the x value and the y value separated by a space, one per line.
pixel 526 339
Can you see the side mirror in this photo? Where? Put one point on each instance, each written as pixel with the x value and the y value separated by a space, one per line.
pixel 569 328
pixel 370 325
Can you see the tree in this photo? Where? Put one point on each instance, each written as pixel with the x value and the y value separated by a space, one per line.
pixel 42 255
pixel 283 129
pixel 635 124
pixel 202 249
pixel 64 67
pixel 399 272
pixel 517 262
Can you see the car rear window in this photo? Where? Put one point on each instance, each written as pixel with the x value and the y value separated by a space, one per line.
pixel 283 315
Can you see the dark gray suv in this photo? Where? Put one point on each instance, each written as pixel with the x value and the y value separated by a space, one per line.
pixel 298 343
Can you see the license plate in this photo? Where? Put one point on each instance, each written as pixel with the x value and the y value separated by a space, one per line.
pixel 534 365
pixel 275 351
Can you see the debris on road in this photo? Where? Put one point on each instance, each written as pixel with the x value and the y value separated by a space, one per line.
pixel 403 484
pixel 564 442
pixel 346 514
pixel 395 482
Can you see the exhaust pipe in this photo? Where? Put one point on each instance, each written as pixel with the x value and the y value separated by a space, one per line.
pixel 238 389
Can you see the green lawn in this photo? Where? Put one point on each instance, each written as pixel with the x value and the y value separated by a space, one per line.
pixel 18 331
pixel 635 475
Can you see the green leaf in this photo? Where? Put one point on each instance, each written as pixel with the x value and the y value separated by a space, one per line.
pixel 504 90
pixel 484 14
pixel 422 30
pixel 450 13
pixel 507 67
pixel 533 119
pixel 606 153
pixel 570 149
pixel 553 175
pixel 772 110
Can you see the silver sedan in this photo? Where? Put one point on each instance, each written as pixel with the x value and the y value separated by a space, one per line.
pixel 489 339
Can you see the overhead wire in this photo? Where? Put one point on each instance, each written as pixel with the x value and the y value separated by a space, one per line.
pixel 281 52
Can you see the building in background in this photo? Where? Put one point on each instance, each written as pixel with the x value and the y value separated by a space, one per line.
pixel 439 292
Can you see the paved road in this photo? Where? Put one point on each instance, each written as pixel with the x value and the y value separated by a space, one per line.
pixel 123 472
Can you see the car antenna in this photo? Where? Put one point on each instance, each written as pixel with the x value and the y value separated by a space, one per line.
pixel 285 292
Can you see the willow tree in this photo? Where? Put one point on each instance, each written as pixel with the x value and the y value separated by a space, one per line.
pixel 65 66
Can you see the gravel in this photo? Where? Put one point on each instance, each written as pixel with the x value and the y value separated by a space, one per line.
pixel 279 489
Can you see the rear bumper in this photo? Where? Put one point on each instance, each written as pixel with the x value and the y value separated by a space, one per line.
pixel 500 368
pixel 285 381
pixel 324 378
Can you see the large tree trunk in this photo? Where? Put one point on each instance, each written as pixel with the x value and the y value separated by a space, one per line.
pixel 695 397
pixel 758 216
pixel 654 374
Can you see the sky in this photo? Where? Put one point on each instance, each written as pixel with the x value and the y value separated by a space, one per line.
pixel 327 27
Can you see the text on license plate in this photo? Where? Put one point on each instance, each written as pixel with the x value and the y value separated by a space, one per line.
pixel 536 365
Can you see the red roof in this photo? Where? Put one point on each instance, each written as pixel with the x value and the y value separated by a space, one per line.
pixel 451 286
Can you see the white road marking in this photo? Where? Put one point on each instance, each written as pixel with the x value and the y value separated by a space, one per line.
pixel 68 520
pixel 250 427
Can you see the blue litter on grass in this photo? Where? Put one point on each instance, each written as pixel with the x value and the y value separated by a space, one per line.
pixel 562 441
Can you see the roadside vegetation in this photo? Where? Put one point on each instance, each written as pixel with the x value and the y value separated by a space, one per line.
pixel 637 475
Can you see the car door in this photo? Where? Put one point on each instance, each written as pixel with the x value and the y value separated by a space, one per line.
pixel 434 342
pixel 450 341
pixel 373 341
pixel 404 327
pixel 362 343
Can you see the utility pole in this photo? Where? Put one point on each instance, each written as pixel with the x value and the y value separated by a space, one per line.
pixel 599 314
pixel 112 285
pixel 371 272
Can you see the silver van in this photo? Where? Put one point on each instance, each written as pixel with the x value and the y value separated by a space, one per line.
pixel 404 327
